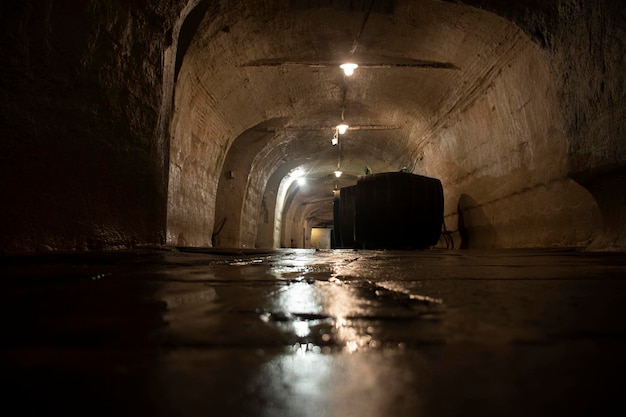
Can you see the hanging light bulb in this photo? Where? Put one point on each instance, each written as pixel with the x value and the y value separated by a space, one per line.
pixel 338 173
pixel 335 139
pixel 348 68
pixel 342 128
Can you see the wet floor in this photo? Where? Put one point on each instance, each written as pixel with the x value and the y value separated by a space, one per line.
pixel 314 333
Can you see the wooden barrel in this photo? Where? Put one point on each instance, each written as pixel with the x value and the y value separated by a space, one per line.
pixel 337 242
pixel 344 217
pixel 397 210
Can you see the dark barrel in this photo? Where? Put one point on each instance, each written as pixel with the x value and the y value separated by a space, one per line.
pixel 336 231
pixel 397 210
pixel 344 217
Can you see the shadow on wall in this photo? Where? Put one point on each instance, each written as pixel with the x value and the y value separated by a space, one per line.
pixel 474 227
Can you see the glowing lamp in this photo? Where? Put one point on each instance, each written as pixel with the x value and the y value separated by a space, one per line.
pixel 348 68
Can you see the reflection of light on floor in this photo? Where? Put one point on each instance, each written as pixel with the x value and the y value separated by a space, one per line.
pixel 330 299
pixel 341 302
pixel 176 295
pixel 301 328
pixel 303 348
pixel 352 346
pixel 298 383
pixel 300 297
pixel 354 337
pixel 305 383
pixel 396 287
pixel 246 263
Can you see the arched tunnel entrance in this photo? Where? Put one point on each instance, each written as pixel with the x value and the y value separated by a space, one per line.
pixel 479 111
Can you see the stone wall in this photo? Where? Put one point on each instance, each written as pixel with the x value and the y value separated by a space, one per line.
pixel 83 150
pixel 503 162
pixel 584 42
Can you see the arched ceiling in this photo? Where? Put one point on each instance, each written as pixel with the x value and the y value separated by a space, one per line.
pixel 259 60
pixel 434 77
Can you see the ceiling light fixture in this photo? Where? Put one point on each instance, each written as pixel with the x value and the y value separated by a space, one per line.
pixel 338 173
pixel 348 68
pixel 342 128
pixel 335 139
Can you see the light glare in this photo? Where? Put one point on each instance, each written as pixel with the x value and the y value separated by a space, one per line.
pixel 297 173
pixel 342 128
pixel 348 68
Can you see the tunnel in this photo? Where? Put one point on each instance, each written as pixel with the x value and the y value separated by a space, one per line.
pixel 188 158
pixel 196 115
pixel 479 111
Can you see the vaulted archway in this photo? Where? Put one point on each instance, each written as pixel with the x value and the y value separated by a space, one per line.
pixel 445 90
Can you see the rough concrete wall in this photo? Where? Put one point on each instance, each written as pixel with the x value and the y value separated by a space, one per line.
pixel 584 41
pixel 589 58
pixel 240 190
pixel 292 221
pixel 295 226
pixel 503 164
pixel 268 161
pixel 199 145
pixel 265 224
pixel 585 44
pixel 211 110
pixel 83 156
